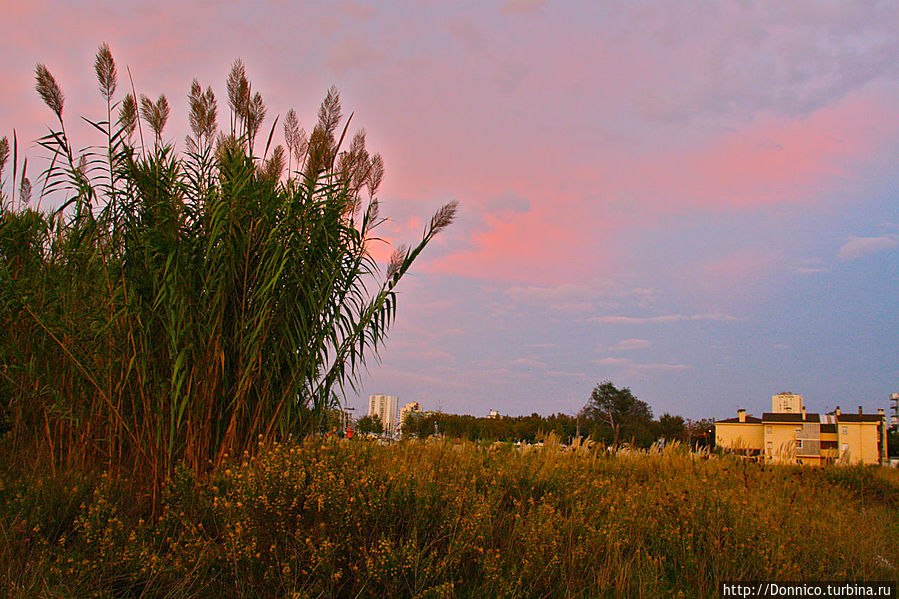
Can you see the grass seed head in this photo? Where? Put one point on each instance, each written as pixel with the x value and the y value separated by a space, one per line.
pixel 49 90
pixel 104 66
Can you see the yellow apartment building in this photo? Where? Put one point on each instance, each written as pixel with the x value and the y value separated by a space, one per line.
pixel 790 435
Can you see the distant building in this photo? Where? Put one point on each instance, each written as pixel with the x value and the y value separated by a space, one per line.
pixel 492 414
pixel 791 435
pixel 894 408
pixel 409 408
pixel 786 402
pixel 385 407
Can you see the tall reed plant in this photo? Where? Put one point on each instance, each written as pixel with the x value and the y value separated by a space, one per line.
pixel 184 306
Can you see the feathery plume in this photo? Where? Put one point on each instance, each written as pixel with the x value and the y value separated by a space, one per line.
pixel 274 166
pixel 301 146
pixel 255 115
pixel 128 114
pixel 197 110
pixel 291 129
pixel 106 72
pixel 49 90
pixel 319 152
pixel 360 162
pixel 203 111
pixel 375 174
pixel 443 217
pixel 374 209
pixel 25 190
pixel 396 261
pixel 156 114
pixel 211 106
pixel 225 144
pixel 329 113
pixel 238 89
pixel 4 154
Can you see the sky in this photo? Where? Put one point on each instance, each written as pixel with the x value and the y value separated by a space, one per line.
pixel 696 200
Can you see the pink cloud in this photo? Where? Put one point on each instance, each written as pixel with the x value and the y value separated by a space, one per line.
pixel 665 318
pixel 861 247
pixel 534 246
pixel 774 159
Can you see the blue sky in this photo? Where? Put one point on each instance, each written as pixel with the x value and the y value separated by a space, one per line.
pixel 696 200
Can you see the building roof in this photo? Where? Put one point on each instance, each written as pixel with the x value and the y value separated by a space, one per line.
pixel 795 417
pixel 790 417
pixel 749 420
pixel 859 418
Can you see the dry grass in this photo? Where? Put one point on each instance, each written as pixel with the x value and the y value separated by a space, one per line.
pixel 446 519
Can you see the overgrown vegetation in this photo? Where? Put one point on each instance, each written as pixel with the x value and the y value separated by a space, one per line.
pixel 181 307
pixel 451 519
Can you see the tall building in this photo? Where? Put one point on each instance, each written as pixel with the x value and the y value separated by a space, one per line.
pixel 385 407
pixel 894 407
pixel 786 403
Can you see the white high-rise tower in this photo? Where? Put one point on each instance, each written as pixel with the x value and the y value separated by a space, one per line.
pixel 385 407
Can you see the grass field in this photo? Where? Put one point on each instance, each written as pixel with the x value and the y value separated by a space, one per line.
pixel 448 519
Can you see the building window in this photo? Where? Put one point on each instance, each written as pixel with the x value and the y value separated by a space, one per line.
pixel 845 430
pixel 769 429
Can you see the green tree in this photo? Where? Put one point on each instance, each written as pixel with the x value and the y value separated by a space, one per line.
pixel 893 442
pixel 370 424
pixel 411 423
pixel 671 428
pixel 617 415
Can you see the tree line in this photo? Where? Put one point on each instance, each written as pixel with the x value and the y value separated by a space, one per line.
pixel 611 416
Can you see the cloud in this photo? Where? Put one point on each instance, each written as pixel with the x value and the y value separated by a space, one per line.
pixel 616 362
pixel 523 6
pixel 861 247
pixel 577 297
pixel 631 344
pixel 661 319
pixel 810 266
pixel 360 11
pixel 468 34
pixel 351 53
pixel 629 367
pixel 565 374
pixel 788 58
pixel 528 363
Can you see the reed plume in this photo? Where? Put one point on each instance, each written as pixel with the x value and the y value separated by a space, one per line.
pixel 128 115
pixel 4 156
pixel 104 66
pixel 155 114
pixel 49 90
